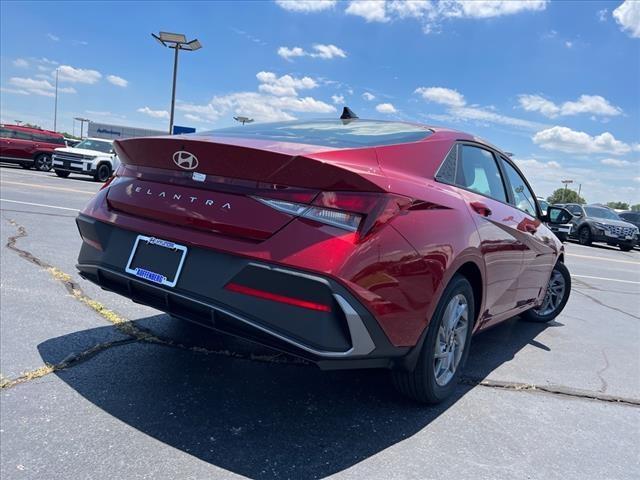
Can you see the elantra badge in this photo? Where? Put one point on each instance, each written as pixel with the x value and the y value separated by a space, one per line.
pixel 185 160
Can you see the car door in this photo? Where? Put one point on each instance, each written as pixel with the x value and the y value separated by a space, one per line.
pixel 578 216
pixel 483 189
pixel 21 146
pixel 540 252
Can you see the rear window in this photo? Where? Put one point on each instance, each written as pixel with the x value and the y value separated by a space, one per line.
pixel 330 133
pixel 599 212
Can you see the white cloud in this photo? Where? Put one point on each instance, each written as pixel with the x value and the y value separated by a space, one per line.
pixel 337 99
pixel 154 113
pixel 628 17
pixel 276 99
pixel 482 115
pixel 77 75
pixel 306 6
pixel 431 13
pixel 328 51
pixel 289 53
pixel 603 14
pixel 568 44
pixel 368 96
pixel 285 85
pixel 193 118
pixel 489 8
pixel 117 81
pixel 587 104
pixel 325 52
pixel 28 86
pixel 20 63
pixel 537 103
pixel 615 162
pixel 531 164
pixel 564 139
pixel 386 108
pixel 370 10
pixel 443 96
pixel 53 37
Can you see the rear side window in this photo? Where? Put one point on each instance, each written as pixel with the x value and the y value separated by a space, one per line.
pixel 522 196
pixel 574 209
pixel 478 171
pixel 6 132
pixel 22 135
pixel 447 171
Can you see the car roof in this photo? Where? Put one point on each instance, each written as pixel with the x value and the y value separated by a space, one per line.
pixel 31 129
pixel 108 140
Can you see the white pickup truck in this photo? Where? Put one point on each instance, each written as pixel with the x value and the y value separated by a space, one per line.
pixel 92 156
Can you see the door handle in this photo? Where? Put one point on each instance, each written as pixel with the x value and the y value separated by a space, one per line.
pixel 480 208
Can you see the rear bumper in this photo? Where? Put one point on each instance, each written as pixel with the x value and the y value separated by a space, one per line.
pixel 346 336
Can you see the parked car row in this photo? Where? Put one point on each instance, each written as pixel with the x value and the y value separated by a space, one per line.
pixel 43 150
pixel 597 223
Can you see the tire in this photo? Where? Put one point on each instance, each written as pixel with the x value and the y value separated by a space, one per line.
pixel 626 247
pixel 62 173
pixel 584 236
pixel 423 384
pixel 562 237
pixel 542 315
pixel 103 172
pixel 43 162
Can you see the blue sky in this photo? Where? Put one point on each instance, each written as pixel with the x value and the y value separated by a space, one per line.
pixel 556 83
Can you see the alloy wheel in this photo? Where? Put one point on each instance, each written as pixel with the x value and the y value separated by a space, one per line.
pixel 554 295
pixel 451 339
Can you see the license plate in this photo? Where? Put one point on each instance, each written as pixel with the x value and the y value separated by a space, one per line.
pixel 159 261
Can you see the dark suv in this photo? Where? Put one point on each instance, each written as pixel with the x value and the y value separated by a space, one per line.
pixel 595 223
pixel 28 147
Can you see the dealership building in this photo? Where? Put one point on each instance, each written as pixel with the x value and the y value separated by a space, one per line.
pixel 112 132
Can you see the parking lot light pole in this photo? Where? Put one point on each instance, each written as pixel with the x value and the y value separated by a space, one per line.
pixel 177 41
pixel 55 107
pixel 566 183
pixel 81 120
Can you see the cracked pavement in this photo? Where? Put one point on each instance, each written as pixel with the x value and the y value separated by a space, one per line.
pixel 94 386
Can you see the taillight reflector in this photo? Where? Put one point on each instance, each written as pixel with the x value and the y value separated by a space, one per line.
pixel 296 302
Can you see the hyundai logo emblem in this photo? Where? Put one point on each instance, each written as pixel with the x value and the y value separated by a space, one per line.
pixel 185 160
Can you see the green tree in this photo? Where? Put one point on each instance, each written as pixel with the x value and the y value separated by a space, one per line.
pixel 68 135
pixel 636 207
pixel 562 195
pixel 618 205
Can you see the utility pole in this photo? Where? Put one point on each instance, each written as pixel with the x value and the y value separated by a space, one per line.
pixel 55 108
pixel 564 194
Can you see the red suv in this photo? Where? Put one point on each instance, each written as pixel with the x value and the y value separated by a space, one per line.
pixel 353 243
pixel 29 147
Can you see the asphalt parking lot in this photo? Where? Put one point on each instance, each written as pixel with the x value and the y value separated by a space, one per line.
pixel 94 386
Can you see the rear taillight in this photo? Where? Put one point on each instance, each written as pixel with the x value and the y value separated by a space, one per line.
pixel 352 211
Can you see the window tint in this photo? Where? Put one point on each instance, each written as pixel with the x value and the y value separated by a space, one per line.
pixel 600 212
pixel 6 133
pixel 574 209
pixel 22 135
pixel 477 170
pixel 522 197
pixel 447 171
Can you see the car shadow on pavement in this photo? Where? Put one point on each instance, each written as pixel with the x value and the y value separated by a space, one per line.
pixel 260 419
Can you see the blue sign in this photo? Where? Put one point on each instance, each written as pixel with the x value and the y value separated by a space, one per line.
pixel 178 130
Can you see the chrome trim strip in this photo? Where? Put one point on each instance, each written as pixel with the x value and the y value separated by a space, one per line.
pixel 362 343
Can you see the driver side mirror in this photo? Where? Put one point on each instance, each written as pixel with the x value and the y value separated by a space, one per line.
pixel 557 215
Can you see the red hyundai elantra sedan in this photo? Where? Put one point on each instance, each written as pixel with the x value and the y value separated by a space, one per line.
pixel 351 243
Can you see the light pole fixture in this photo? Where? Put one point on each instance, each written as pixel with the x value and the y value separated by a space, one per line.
pixel 566 183
pixel 243 120
pixel 177 41
pixel 81 120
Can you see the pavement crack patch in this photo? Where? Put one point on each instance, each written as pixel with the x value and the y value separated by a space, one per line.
pixel 550 389
pixel 604 386
pixel 69 361
pixel 123 324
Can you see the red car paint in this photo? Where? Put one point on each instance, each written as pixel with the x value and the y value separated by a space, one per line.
pixel 398 270
pixel 22 145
